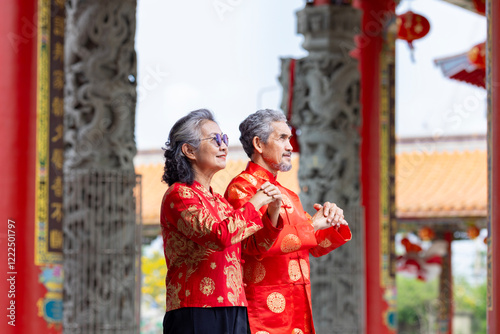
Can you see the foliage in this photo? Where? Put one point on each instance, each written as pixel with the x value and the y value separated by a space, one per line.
pixel 471 299
pixel 154 271
pixel 416 302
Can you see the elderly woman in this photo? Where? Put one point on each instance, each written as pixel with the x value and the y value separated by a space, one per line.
pixel 202 232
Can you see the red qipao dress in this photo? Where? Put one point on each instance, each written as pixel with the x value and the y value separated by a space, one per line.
pixel 201 236
pixel 277 283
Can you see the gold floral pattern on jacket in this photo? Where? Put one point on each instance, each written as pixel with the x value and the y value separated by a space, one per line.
pixel 237 193
pixel 325 243
pixel 255 273
pixel 305 268
pixel 198 220
pixel 294 270
pixel 182 251
pixel 276 302
pixel 233 278
pixel 173 300
pixel 207 286
pixel 252 180
pixel 290 243
pixel 185 192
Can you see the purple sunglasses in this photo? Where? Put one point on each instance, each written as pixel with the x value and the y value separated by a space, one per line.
pixel 219 139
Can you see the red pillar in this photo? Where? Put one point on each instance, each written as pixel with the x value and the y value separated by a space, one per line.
pixel 493 86
pixel 19 287
pixel 370 43
pixel 445 308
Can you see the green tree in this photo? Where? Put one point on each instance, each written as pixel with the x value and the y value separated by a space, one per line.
pixel 471 299
pixel 416 305
pixel 154 271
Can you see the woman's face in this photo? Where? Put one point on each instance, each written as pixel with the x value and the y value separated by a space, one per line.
pixel 210 157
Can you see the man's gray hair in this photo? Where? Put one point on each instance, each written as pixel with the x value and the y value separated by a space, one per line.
pixel 258 124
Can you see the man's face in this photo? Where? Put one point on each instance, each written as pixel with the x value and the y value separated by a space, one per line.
pixel 277 152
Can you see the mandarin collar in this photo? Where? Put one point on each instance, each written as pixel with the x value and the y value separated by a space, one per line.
pixel 209 193
pixel 261 172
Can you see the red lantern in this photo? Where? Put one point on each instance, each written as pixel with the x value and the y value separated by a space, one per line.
pixel 412 26
pixel 477 55
pixel 426 233
pixel 409 246
pixel 480 6
pixel 472 232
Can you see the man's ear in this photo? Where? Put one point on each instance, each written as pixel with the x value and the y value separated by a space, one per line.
pixel 188 151
pixel 257 144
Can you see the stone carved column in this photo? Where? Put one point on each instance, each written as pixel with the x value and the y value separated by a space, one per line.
pixel 100 90
pixel 326 113
pixel 101 248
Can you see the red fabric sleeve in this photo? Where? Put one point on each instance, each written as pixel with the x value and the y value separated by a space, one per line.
pixel 195 217
pixel 330 239
pixel 238 193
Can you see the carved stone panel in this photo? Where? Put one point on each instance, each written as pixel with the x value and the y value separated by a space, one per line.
pixel 326 110
pixel 100 89
pixel 101 252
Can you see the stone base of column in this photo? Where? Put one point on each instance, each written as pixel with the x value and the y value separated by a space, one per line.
pixel 337 281
pixel 102 249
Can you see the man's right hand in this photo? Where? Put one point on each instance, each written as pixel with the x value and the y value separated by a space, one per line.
pixel 267 193
pixel 328 215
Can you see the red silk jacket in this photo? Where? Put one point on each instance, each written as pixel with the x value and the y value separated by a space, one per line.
pixel 201 237
pixel 277 284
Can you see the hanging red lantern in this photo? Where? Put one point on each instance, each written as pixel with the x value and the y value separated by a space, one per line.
pixel 477 55
pixel 412 26
pixel 426 233
pixel 480 6
pixel 409 246
pixel 472 232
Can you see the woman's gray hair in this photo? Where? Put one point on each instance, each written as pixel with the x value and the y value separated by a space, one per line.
pixel 186 130
pixel 258 124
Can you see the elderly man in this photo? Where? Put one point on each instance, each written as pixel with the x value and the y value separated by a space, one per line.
pixel 277 281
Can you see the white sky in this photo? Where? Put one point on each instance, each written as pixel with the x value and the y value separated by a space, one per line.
pixel 190 56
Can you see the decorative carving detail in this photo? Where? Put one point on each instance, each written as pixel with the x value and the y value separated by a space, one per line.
pixel 326 113
pixel 329 29
pixel 101 252
pixel 100 90
pixel 101 241
pixel 326 110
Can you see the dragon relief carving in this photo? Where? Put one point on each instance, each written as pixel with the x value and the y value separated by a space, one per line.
pixel 100 90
